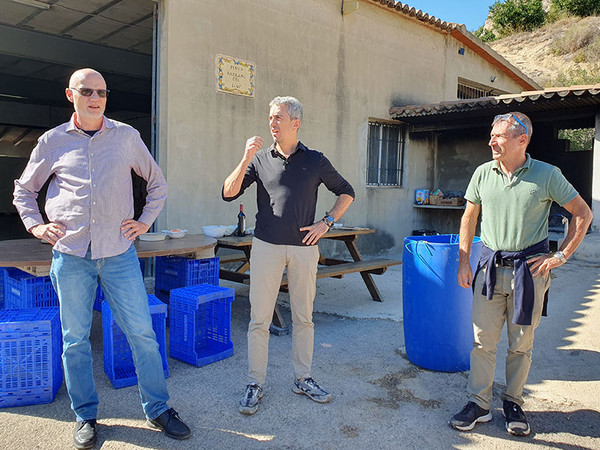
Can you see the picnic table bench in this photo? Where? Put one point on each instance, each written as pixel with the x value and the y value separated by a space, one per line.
pixel 338 270
pixel 328 267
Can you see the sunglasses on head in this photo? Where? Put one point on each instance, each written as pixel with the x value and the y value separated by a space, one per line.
pixel 86 92
pixel 509 116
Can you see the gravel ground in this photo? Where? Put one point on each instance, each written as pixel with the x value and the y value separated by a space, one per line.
pixel 381 400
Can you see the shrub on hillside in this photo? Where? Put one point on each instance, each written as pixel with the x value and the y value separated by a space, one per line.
pixel 486 35
pixel 580 139
pixel 592 52
pixel 577 77
pixel 583 36
pixel 581 8
pixel 517 15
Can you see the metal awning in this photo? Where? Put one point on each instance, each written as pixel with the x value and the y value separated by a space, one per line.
pixel 42 42
pixel 577 104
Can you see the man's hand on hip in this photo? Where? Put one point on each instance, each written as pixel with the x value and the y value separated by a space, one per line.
pixel 50 232
pixel 315 231
pixel 543 264
pixel 132 228
pixel 465 275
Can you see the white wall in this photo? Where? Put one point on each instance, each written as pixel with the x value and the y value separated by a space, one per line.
pixel 344 69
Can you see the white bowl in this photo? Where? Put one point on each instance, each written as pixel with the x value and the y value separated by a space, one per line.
pixel 218 231
pixel 175 234
pixel 152 237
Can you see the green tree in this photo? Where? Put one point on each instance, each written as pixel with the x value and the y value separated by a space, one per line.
pixel 517 15
pixel 485 35
pixel 581 8
pixel 580 139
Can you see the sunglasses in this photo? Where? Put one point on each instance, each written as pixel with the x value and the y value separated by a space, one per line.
pixel 509 116
pixel 86 92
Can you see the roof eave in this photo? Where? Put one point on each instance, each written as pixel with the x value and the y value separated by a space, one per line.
pixel 572 102
pixel 477 46
pixel 461 34
pixel 416 15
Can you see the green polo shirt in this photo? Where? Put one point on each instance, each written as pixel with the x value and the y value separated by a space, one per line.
pixel 514 212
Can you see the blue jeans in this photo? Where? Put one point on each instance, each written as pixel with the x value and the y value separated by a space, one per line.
pixel 75 280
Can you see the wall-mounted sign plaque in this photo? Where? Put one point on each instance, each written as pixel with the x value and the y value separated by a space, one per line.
pixel 235 76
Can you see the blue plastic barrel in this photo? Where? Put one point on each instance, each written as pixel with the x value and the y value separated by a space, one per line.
pixel 438 332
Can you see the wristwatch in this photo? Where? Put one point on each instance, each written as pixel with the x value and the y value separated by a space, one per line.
pixel 561 256
pixel 329 220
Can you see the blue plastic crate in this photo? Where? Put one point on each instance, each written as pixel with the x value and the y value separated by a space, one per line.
pixel 118 360
pixel 23 290
pixel 143 266
pixel 200 319
pixel 30 356
pixel 1 287
pixel 100 297
pixel 174 272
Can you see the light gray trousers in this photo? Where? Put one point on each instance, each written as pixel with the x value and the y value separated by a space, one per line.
pixel 489 317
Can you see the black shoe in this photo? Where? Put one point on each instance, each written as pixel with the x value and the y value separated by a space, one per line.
pixel 85 435
pixel 516 422
pixel 469 416
pixel 170 424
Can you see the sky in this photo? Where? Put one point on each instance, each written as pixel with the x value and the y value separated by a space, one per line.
pixel 470 12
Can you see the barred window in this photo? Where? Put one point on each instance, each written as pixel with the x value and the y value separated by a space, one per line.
pixel 385 154
pixel 467 89
pixel 464 92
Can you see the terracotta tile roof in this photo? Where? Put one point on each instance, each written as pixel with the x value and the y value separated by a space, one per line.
pixel 550 98
pixel 418 14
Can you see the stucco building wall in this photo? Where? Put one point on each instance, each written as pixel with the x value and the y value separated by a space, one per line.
pixel 344 69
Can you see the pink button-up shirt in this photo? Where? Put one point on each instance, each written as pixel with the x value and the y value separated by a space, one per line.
pixel 90 191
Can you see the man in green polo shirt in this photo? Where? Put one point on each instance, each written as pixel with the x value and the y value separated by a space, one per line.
pixel 513 193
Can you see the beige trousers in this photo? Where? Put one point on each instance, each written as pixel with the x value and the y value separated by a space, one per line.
pixel 489 317
pixel 267 263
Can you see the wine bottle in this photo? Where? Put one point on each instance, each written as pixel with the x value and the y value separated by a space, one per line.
pixel 241 226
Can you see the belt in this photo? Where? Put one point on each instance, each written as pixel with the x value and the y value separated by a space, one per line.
pixel 506 262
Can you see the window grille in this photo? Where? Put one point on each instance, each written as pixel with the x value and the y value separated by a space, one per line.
pixel 467 89
pixel 466 92
pixel 385 154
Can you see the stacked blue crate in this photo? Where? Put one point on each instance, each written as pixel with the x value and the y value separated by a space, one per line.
pixel 100 293
pixel 118 360
pixel 1 287
pixel 99 299
pixel 30 356
pixel 174 272
pixel 200 324
pixel 23 290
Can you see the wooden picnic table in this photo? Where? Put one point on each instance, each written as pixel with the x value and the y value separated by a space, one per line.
pixel 35 257
pixel 328 267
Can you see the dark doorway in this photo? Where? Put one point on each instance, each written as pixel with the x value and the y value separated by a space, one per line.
pixel 40 46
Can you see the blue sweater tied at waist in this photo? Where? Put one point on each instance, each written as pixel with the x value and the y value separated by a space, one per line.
pixel 523 293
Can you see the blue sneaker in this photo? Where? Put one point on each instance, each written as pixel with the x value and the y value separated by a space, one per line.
pixel 312 390
pixel 249 402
